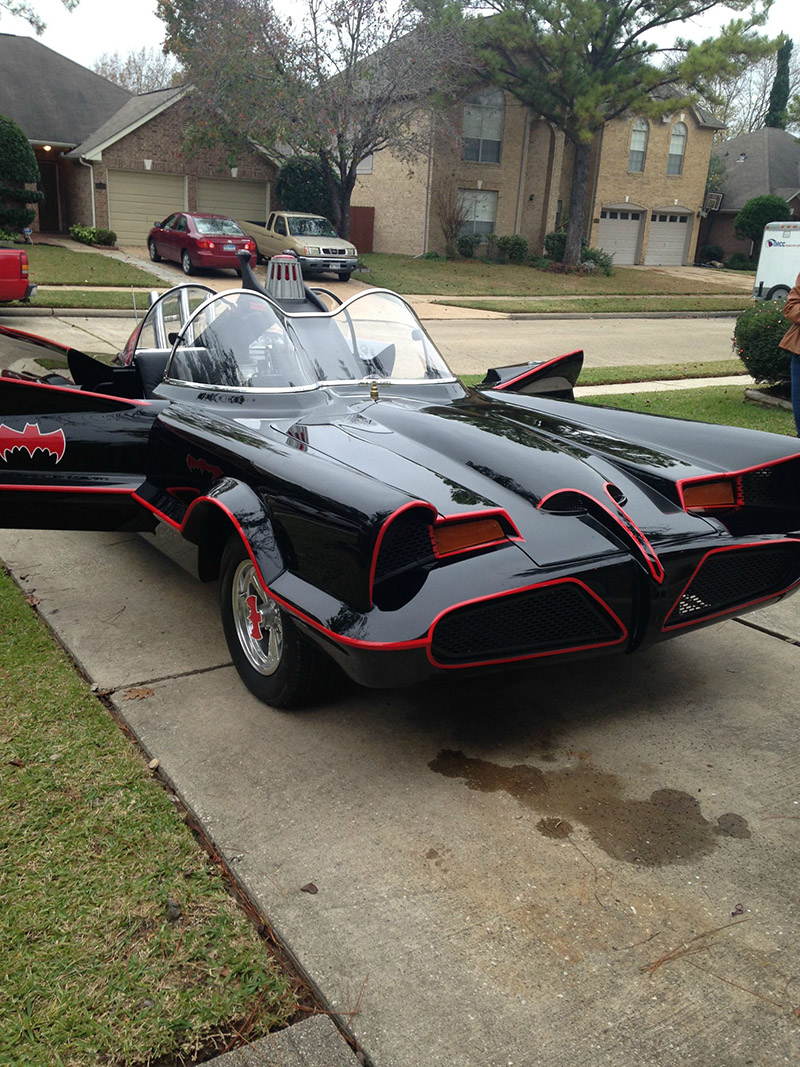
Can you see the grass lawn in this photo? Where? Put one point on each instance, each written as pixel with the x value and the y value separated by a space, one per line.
pixel 605 304
pixel 723 404
pixel 470 277
pixel 86 298
pixel 92 849
pixel 53 265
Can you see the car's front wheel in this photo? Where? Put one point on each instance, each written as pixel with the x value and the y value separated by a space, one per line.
pixel 344 275
pixel 274 660
pixel 186 263
pixel 156 258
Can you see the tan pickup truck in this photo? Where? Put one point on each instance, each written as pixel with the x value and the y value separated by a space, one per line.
pixel 311 237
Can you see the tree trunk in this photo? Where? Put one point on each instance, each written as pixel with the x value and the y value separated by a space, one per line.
pixel 577 204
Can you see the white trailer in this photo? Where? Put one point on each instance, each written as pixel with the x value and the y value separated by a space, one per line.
pixel 778 261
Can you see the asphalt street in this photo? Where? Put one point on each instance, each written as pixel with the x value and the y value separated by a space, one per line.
pixel 472 345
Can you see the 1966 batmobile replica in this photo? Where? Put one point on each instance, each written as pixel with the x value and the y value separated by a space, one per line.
pixel 363 509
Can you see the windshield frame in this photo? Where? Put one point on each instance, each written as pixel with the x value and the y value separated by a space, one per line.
pixel 289 320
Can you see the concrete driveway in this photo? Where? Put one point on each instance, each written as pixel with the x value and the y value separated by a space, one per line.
pixel 592 864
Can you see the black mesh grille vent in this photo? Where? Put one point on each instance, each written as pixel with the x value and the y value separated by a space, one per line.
pixel 538 620
pixel 728 579
pixel 765 487
pixel 566 502
pixel 406 543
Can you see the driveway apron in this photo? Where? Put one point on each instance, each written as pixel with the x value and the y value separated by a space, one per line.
pixel 587 863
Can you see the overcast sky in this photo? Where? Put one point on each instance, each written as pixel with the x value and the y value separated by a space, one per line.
pixel 99 26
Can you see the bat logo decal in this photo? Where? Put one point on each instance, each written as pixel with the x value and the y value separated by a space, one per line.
pixel 32 440
pixel 195 464
pixel 255 619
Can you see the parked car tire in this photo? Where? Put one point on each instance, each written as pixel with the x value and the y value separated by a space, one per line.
pixel 186 263
pixel 156 258
pixel 274 660
pixel 344 275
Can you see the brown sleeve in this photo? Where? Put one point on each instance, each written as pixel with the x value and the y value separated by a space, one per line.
pixel 791 309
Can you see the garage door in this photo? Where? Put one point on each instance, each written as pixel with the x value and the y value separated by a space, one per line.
pixel 240 200
pixel 667 240
pixel 137 199
pixel 619 234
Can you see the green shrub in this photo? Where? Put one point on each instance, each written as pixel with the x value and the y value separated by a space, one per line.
pixel 513 249
pixel 539 262
pixel 604 261
pixel 432 254
pixel 739 261
pixel 18 167
pixel 709 252
pixel 759 330
pixel 554 244
pixel 468 244
pixel 104 237
pixel 7 235
pixel 92 235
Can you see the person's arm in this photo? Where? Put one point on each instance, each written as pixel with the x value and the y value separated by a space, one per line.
pixel 791 309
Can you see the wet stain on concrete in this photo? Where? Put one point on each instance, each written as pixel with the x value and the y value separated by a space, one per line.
pixel 668 827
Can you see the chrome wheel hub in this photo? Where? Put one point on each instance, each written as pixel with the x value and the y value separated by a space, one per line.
pixel 259 626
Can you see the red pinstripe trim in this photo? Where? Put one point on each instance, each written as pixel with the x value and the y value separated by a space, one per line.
pixel 628 525
pixel 737 607
pixel 529 655
pixel 64 489
pixel 287 605
pixel 722 476
pixel 77 392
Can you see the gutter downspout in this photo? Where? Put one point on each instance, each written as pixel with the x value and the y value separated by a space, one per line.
pixel 523 166
pixel 91 183
pixel 428 186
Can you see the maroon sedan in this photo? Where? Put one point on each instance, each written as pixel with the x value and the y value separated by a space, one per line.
pixel 199 240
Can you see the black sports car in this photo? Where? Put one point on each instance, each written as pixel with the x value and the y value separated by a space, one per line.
pixel 362 508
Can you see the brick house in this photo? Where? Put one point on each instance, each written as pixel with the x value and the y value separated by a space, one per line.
pixel 109 158
pixel 513 170
pixel 766 161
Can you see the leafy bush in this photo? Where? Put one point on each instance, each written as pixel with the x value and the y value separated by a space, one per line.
pixel 603 261
pixel 92 235
pixel 759 330
pixel 468 244
pixel 301 187
pixel 739 261
pixel 7 235
pixel 539 262
pixel 554 244
pixel 709 252
pixel 514 249
pixel 432 254
pixel 750 222
pixel 17 167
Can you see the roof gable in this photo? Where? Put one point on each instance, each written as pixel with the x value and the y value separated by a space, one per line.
pixel 52 98
pixel 764 161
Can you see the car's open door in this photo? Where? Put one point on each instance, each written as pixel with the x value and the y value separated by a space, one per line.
pixel 71 458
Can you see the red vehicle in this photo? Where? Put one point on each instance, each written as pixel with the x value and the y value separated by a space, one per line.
pixel 199 240
pixel 14 281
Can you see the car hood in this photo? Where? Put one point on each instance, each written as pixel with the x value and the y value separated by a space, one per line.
pixel 484 453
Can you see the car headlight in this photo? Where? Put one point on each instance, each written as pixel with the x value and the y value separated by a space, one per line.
pixel 312 250
pixel 350 250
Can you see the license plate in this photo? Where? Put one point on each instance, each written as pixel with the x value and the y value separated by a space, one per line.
pixel 337 266
pixel 229 248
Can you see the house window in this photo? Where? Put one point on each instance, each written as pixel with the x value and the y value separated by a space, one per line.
pixel 638 147
pixel 482 133
pixel 677 149
pixel 481 208
pixel 365 166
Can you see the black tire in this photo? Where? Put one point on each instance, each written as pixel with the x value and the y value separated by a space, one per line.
pixel 778 292
pixel 344 275
pixel 156 258
pixel 186 263
pixel 277 663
